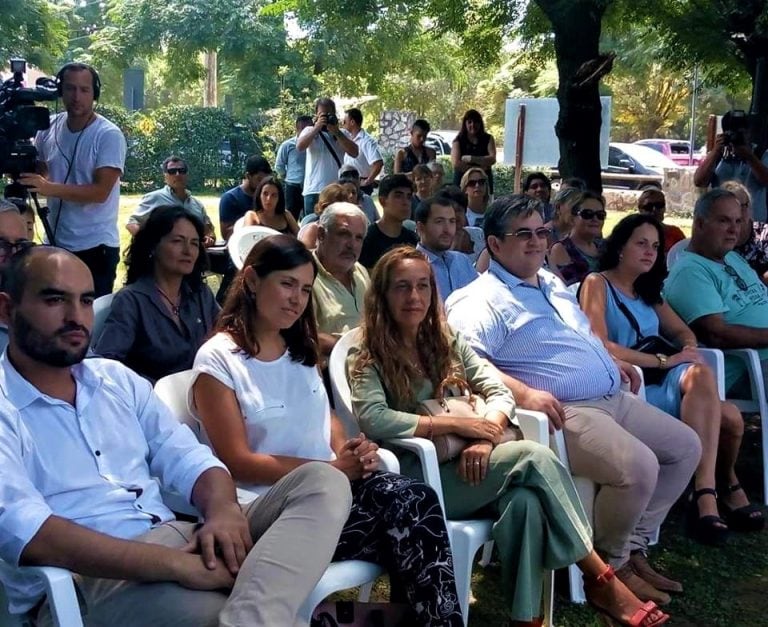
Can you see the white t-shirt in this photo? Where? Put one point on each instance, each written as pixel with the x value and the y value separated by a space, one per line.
pixel 321 168
pixel 80 226
pixel 368 153
pixel 284 404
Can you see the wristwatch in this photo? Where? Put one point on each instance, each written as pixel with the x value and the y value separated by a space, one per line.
pixel 662 360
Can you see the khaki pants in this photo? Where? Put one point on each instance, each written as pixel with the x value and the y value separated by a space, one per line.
pixel 295 526
pixel 641 458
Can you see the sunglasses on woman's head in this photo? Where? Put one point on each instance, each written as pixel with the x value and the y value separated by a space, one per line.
pixel 589 214
pixel 476 182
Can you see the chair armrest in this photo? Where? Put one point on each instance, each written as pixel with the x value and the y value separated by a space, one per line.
pixel 425 451
pixel 59 588
pixel 389 461
pixel 751 360
pixel 713 357
pixel 534 425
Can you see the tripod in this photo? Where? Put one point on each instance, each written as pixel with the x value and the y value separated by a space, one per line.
pixel 16 190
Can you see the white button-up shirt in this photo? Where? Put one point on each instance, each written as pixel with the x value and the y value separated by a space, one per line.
pixel 97 463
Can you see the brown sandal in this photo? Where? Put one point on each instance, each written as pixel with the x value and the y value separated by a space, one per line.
pixel 642 616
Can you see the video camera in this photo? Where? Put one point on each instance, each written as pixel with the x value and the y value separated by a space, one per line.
pixel 735 125
pixel 20 119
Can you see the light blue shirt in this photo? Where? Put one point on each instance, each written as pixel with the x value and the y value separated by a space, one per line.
pixel 164 197
pixel 290 162
pixel 99 464
pixel 538 335
pixel 452 270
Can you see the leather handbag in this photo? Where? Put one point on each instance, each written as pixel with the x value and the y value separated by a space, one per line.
pixel 465 404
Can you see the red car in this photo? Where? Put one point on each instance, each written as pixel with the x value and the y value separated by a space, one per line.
pixel 675 149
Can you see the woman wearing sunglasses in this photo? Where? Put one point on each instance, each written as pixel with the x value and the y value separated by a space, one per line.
pixel 624 301
pixel 653 202
pixel 474 184
pixel 576 255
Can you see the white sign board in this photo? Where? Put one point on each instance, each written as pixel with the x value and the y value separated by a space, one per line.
pixel 541 147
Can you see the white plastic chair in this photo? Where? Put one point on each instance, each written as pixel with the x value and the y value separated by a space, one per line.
pixel 675 251
pixel 756 403
pixel 467 536
pixel 59 588
pixel 101 308
pixel 174 390
pixel 243 239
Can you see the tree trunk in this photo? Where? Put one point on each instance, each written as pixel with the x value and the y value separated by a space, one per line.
pixel 577 25
pixel 759 107
pixel 211 88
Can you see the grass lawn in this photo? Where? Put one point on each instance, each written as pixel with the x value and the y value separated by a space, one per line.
pixel 723 587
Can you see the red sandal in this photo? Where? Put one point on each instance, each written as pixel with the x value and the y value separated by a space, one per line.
pixel 642 616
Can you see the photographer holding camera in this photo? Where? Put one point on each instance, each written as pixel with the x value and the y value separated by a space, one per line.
pixel 733 158
pixel 325 144
pixel 84 154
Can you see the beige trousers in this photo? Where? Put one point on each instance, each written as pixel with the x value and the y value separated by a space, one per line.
pixel 296 528
pixel 641 458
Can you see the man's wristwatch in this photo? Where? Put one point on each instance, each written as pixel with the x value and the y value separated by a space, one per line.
pixel 662 360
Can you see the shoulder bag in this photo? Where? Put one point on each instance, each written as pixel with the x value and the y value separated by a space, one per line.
pixel 465 404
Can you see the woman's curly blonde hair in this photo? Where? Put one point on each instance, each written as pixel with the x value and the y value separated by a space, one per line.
pixel 382 344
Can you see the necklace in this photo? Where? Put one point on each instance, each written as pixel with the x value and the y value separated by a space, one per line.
pixel 174 305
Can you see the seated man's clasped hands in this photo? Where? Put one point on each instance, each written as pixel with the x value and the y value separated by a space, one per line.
pixel 265 411
pixel 406 352
pixel 85 446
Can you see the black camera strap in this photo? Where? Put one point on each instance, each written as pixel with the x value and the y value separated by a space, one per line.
pixel 333 152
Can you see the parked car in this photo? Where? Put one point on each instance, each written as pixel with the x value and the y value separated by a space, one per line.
pixel 646 164
pixel 439 141
pixel 675 149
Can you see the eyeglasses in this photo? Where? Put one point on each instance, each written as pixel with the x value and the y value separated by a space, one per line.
pixel 740 283
pixel 526 235
pixel 476 182
pixel 653 206
pixel 7 249
pixel 589 214
pixel 174 171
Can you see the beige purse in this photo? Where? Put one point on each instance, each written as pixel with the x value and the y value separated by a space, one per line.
pixel 463 405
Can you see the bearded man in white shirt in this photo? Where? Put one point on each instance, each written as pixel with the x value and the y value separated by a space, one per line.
pixel 83 444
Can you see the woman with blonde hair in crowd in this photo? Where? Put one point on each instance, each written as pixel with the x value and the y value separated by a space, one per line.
pixel 264 409
pixel 474 184
pixel 406 351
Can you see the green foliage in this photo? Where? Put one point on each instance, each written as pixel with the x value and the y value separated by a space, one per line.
pixel 34 29
pixel 211 141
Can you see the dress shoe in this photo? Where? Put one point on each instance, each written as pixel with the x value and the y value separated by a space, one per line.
pixel 639 563
pixel 641 588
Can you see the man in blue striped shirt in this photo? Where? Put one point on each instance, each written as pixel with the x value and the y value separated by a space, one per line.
pixel 436 226
pixel 524 321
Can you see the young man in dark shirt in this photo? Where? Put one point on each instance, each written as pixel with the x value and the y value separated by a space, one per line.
pixel 234 203
pixel 395 192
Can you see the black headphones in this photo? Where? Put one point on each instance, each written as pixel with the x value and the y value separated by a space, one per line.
pixel 79 67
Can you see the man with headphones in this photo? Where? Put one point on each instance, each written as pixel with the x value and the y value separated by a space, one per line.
pixel 85 156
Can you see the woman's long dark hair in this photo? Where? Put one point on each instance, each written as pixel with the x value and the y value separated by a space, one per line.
pixel 648 285
pixel 238 316
pixel 473 115
pixel 270 180
pixel 140 258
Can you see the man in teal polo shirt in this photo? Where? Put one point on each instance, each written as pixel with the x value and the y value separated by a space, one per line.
pixel 713 288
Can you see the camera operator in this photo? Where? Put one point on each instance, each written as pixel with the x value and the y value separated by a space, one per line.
pixel 733 157
pixel 85 155
pixel 325 144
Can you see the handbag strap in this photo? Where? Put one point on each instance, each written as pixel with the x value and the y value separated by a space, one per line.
pixel 625 310
pixel 330 148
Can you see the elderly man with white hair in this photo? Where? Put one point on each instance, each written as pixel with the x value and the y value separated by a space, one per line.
pixel 340 284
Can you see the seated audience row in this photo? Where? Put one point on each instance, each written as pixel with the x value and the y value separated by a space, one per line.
pixel 625 308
